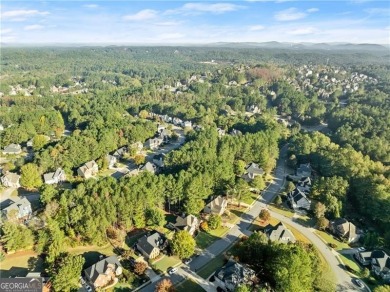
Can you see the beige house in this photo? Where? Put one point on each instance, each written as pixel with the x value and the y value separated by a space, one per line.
pixel 216 206
pixel 88 170
pixel 189 223
pixel 344 229
pixel 10 180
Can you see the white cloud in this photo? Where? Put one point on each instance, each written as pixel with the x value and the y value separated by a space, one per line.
pixel 6 31
pixel 145 14
pixel 168 23
pixel 311 10
pixel 289 15
pixel 378 11
pixel 22 13
pixel 91 6
pixel 256 27
pixel 33 27
pixel 216 8
pixel 8 39
pixel 302 31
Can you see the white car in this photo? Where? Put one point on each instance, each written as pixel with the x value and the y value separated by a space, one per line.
pixel 361 249
pixel 172 270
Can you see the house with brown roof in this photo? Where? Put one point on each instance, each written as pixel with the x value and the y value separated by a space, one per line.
pixel 216 206
pixel 104 272
pixel 344 229
pixel 189 223
pixel 88 170
pixel 10 180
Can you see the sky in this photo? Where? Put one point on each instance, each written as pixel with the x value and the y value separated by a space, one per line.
pixel 194 22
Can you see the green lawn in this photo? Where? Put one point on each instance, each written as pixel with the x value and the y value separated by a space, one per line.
pixel 348 260
pixel 20 264
pixel 250 199
pixel 189 286
pixel 283 211
pixel 330 239
pixel 216 263
pixel 204 239
pixel 166 262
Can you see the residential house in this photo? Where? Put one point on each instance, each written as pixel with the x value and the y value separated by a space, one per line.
pixel 187 124
pixel 1 127
pixel 104 272
pixel 12 149
pixel 88 170
pixel 234 274
pixel 253 109
pixel 344 229
pixel 298 200
pixel 251 171
pixel 159 160
pixel 133 172
pixel 379 261
pixel 177 121
pixel 151 245
pixel 216 206
pixel 10 180
pixel 221 132
pixel 235 132
pixel 160 128
pixel 120 152
pixel 279 233
pixel 304 170
pixel 233 83
pixel 153 143
pixel 304 184
pixel 18 210
pixel 148 167
pixel 189 223
pixel 111 160
pixel 165 135
pixel 54 177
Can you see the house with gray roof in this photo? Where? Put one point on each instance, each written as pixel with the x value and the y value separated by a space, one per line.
pixel 279 233
pixel 111 160
pixel 12 149
pixel 189 223
pixel 120 152
pixel 148 166
pixel 153 143
pixel 18 210
pixel 236 132
pixel 251 171
pixel 103 272
pixel 379 261
pixel 151 245
pixel 10 180
pixel 234 274
pixel 54 177
pixel 159 159
pixel 298 200
pixel 88 170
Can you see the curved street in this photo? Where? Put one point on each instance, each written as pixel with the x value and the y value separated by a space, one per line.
pixel 343 279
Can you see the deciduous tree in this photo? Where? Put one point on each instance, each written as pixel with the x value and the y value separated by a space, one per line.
pixel 183 244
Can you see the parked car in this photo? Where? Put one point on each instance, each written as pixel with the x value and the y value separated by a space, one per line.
pixel 361 249
pixel 89 289
pixel 187 261
pixel 172 270
pixel 359 283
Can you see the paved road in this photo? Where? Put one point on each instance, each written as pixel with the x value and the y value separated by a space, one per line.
pixel 344 280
